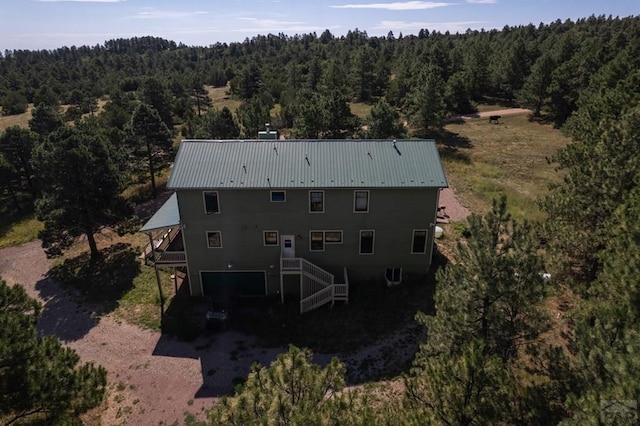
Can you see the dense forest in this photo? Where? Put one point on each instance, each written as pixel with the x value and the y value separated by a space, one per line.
pixel 485 360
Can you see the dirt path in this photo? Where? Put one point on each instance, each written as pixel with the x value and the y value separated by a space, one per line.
pixel 154 379
pixel 509 111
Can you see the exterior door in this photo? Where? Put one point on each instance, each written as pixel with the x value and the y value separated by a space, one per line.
pixel 288 244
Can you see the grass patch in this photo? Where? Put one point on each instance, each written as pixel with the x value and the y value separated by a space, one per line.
pixel 118 281
pixel 20 232
pixel 21 120
pixel 221 98
pixel 360 110
pixel 483 161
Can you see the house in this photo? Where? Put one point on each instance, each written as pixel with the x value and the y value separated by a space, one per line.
pixel 298 218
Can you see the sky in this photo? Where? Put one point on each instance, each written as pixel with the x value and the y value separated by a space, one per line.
pixel 50 24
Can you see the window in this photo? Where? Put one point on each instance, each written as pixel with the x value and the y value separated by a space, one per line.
pixel 278 196
pixel 361 201
pixel 270 238
pixel 393 276
pixel 333 237
pixel 316 201
pixel 316 241
pixel 366 241
pixel 214 239
pixel 211 205
pixel 419 244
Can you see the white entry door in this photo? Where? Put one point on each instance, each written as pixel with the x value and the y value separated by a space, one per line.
pixel 288 243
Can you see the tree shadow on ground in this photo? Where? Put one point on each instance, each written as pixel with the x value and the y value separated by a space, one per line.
pixel 375 335
pixel 451 147
pixel 99 283
pixel 63 315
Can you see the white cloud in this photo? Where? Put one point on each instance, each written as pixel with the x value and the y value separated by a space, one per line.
pixel 152 13
pixel 407 5
pixel 274 25
pixel 482 1
pixel 452 27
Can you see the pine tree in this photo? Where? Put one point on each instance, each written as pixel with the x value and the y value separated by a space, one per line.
pixel 41 381
pixel 292 390
pixel 81 178
pixel 146 129
pixel 492 292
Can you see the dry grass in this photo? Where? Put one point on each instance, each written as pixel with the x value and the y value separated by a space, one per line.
pixel 484 160
pixel 221 98
pixel 360 110
pixel 21 120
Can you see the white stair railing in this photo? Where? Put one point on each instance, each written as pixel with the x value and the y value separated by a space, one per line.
pixel 318 285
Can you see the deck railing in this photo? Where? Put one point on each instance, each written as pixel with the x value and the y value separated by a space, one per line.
pixel 318 285
pixel 169 257
pixel 317 299
pixel 293 264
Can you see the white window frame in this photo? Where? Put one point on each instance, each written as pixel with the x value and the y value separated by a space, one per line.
pixel 311 240
pixel 393 269
pixel 355 198
pixel 264 238
pixel 373 242
pixel 204 201
pixel 334 242
pixel 284 200
pixel 413 237
pixel 219 236
pixel 310 202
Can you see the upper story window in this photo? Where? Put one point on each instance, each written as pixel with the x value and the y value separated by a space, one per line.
pixel 214 239
pixel 211 203
pixel 419 242
pixel 366 241
pixel 361 201
pixel 316 201
pixel 278 196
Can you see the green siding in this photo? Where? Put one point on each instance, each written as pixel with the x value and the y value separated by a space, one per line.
pixel 245 214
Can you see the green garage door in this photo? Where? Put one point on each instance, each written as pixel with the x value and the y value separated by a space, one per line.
pixel 229 283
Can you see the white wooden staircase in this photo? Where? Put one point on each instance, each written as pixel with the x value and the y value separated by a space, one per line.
pixel 317 286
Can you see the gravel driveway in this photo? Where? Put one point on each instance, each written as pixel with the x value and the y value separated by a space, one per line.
pixel 154 379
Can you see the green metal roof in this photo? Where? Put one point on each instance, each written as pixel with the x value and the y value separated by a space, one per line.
pixel 167 216
pixel 202 164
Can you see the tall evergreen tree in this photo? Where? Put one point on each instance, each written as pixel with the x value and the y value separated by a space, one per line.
pixel 492 292
pixel 155 94
pixel 16 143
pixel 81 178
pixel 146 129
pixel 45 120
pixel 425 103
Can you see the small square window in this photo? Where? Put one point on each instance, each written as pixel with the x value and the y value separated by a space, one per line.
pixel 214 239
pixel 278 196
pixel 270 238
pixel 419 243
pixel 316 201
pixel 366 241
pixel 333 237
pixel 316 241
pixel 211 205
pixel 361 201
